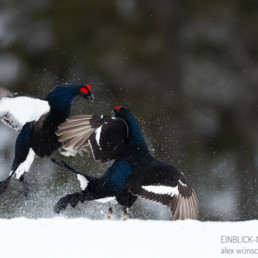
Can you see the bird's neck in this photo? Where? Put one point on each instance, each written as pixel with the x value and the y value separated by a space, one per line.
pixel 135 137
pixel 61 99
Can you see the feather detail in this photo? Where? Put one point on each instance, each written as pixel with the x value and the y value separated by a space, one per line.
pixel 185 207
pixel 166 185
pixel 74 129
pixel 106 134
pixel 77 118
pixel 72 134
pixel 69 125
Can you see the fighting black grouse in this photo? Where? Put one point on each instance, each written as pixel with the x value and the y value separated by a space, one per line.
pixel 134 173
pixel 36 120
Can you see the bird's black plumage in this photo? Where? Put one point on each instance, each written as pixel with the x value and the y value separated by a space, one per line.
pixel 134 173
pixel 37 123
pixel 106 136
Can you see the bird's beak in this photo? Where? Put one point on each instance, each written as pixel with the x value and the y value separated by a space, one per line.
pixel 91 97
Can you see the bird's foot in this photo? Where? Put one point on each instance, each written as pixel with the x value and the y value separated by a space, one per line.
pixel 71 199
pixel 109 214
pixel 26 187
pixel 4 184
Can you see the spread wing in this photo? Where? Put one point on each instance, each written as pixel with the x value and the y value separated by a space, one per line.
pixel 17 111
pixel 163 183
pixel 106 136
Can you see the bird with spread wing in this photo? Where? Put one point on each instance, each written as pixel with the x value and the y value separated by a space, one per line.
pixel 134 172
pixel 36 121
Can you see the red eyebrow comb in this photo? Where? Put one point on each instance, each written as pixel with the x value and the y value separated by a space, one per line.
pixel 118 108
pixel 85 91
pixel 88 87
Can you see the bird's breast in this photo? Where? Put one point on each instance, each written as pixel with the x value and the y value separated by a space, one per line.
pixel 118 175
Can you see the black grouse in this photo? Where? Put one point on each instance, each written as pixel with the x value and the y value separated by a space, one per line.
pixel 36 121
pixel 134 173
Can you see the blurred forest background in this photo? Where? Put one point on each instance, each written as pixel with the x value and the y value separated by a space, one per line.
pixel 188 70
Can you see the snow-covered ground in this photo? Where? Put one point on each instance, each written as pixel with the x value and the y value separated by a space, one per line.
pixel 81 238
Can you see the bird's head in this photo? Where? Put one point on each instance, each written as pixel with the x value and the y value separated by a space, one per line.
pixel 120 111
pixel 85 92
pixel 135 138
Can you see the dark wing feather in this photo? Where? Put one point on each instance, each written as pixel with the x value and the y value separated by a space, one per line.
pixel 106 135
pixel 163 183
pixel 109 141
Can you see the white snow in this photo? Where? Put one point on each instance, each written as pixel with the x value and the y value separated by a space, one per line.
pixel 80 238
pixel 161 189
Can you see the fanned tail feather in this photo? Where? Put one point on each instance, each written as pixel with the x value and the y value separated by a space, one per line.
pixel 185 207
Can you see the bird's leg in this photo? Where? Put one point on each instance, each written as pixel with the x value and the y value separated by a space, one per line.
pixel 110 211
pixel 125 213
pixel 22 165
pixel 23 159
pixel 4 184
pixel 26 187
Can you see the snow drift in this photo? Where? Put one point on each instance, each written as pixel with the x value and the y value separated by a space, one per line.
pixel 80 238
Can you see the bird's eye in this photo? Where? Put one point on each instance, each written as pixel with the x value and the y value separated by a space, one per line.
pixel 83 90
pixel 88 87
